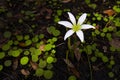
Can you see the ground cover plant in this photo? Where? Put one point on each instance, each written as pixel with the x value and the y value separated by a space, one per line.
pixel 37 40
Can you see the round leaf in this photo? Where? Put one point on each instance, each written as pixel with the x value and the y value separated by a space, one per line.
pixel 2 55
pixel 24 60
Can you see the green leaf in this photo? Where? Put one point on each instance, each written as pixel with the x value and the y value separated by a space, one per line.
pixel 111 74
pixel 34 58
pixel 28 42
pixel 2 55
pixel 50 59
pixel 51 29
pixel 10 42
pixel 105 59
pixel 35 39
pixel 48 74
pixel 72 77
pixel 41 36
pixel 7 34
pixel 24 60
pixel 5 47
pixel 19 37
pixel 26 52
pixel 37 52
pixel 93 59
pixel 26 37
pixel 42 63
pixel 8 63
pixel 48 47
pixel 15 53
pixel 1 67
pixel 56 33
pixel 39 72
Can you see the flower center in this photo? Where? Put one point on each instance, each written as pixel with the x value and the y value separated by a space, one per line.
pixel 76 27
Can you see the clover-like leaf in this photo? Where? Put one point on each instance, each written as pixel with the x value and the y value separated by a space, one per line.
pixel 42 63
pixel 24 60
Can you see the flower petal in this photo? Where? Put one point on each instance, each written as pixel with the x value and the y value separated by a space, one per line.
pixel 68 34
pixel 66 24
pixel 72 18
pixel 80 35
pixel 82 18
pixel 87 26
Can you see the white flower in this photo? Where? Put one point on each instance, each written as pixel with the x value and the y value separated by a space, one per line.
pixel 76 27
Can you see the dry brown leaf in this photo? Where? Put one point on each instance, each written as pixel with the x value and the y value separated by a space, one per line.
pixel 25 72
pixel 75 72
pixel 42 47
pixel 21 44
pixel 109 12
pixel 115 42
pixel 77 54
pixel 69 63
pixel 15 64
pixel 65 1
pixel 34 65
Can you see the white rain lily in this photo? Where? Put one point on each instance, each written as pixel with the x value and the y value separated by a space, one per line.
pixel 75 26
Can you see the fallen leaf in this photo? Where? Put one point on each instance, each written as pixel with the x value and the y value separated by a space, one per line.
pixel 77 54
pixel 109 12
pixel 42 47
pixel 21 44
pixel 34 65
pixel 69 63
pixel 115 42
pixel 65 1
pixel 15 64
pixel 25 72
pixel 75 72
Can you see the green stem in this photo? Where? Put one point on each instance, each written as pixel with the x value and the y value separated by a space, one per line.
pixel 90 67
pixel 69 48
